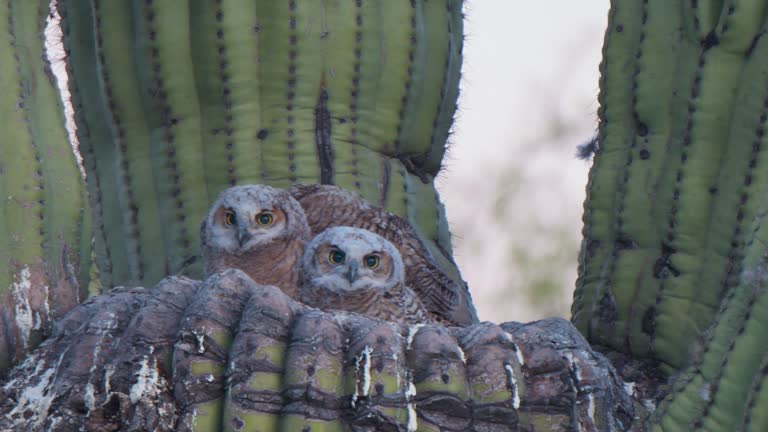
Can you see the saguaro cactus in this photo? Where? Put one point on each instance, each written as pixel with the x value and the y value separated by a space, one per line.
pixel 45 239
pixel 672 266
pixel 177 100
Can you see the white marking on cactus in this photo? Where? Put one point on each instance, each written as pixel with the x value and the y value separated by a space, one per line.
pixel 704 392
pixel 90 398
pixel 629 388
pixel 24 318
pixel 363 360
pixel 148 381
pixel 412 330
pixel 46 307
pixel 512 385
pixel 108 371
pixel 36 398
pixel 590 397
pixel 413 420
pixel 649 404
pixel 200 339
pixel 366 360
pixel 462 355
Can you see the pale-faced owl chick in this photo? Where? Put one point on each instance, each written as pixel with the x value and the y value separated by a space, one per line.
pixel 445 296
pixel 355 270
pixel 258 229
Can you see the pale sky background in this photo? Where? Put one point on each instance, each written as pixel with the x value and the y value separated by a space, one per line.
pixel 512 186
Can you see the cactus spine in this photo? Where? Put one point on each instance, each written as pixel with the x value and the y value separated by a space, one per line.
pixel 195 96
pixel 44 223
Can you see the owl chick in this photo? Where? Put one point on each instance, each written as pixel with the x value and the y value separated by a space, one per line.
pixel 258 229
pixel 445 297
pixel 355 270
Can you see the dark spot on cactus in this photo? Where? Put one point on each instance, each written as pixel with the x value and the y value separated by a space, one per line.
pixel 237 422
pixel 445 378
pixel 311 370
pixel 306 429
pixel 592 247
pixel 713 190
pixel 710 40
pixel 256 28
pixel 619 28
pixel 645 154
pixel 341 120
pixel 642 129
pixel 623 241
pixel 748 180
pixel 663 267
pixel 754 43
pixel 608 312
pixel 648 325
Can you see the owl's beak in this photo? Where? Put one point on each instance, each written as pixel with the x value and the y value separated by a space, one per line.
pixel 243 235
pixel 352 272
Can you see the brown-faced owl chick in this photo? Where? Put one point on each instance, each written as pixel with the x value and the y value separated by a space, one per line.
pixel 445 296
pixel 258 229
pixel 355 270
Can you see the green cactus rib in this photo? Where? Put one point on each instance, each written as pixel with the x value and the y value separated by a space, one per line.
pixel 449 92
pixel 616 124
pixel 182 100
pixel 43 216
pixel 173 121
pixel 92 127
pixel 131 135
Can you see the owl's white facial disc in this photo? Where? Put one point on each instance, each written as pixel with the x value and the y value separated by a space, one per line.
pixel 350 259
pixel 249 216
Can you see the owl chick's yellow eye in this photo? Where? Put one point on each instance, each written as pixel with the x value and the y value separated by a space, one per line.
pixel 229 218
pixel 336 256
pixel 265 218
pixel 372 261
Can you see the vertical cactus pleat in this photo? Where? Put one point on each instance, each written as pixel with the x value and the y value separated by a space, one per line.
pixel 179 100
pixel 44 221
pixel 677 179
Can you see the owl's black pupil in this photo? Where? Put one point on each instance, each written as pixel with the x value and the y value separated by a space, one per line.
pixel 337 256
pixel 265 219
pixel 371 261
